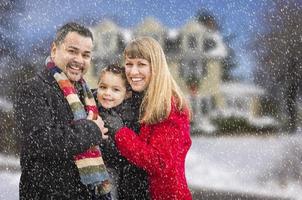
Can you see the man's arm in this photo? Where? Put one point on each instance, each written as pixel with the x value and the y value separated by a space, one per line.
pixel 43 135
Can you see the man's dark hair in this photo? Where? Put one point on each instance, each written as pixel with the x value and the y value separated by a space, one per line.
pixel 71 27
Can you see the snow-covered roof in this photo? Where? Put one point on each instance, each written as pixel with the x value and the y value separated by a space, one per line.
pixel 126 34
pixel 5 105
pixel 220 50
pixel 173 33
pixel 241 89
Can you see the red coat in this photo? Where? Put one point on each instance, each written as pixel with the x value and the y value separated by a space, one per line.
pixel 160 149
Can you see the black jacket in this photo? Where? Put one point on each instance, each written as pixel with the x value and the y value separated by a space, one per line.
pixel 132 181
pixel 49 139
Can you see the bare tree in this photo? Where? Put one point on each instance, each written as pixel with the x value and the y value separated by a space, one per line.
pixel 10 10
pixel 279 57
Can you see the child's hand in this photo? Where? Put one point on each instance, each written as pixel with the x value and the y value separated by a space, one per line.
pixel 112 121
pixel 105 136
pixel 100 123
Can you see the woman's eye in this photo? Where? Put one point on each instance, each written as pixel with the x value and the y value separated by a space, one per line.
pixel 142 64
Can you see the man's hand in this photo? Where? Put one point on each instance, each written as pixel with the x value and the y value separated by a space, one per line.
pixel 100 123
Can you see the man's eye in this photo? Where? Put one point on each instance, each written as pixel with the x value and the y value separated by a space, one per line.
pixel 86 56
pixel 71 51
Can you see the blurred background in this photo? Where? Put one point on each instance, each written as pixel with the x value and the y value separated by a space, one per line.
pixel 238 62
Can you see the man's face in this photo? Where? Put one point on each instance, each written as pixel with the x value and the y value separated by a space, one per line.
pixel 73 55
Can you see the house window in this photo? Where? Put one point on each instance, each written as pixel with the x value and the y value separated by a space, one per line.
pixel 121 43
pixel 208 44
pixel 242 104
pixel 192 42
pixel 155 36
pixel 196 70
pixel 107 40
pixel 207 104
pixel 204 106
pixel 213 103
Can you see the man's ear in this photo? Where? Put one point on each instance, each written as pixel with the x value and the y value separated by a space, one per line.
pixel 53 50
pixel 128 94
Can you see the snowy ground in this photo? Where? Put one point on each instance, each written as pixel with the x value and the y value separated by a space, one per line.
pixel 257 165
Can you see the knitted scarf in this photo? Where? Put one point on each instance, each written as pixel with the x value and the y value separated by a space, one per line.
pixel 90 164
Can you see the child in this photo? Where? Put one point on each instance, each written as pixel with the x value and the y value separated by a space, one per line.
pixel 113 95
pixel 113 89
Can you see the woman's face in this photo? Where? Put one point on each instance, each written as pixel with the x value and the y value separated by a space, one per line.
pixel 138 72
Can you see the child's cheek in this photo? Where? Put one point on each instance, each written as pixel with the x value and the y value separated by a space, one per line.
pixel 99 97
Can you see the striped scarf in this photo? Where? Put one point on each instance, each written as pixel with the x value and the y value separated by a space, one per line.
pixel 90 164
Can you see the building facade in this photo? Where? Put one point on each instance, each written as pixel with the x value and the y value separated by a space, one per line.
pixel 194 55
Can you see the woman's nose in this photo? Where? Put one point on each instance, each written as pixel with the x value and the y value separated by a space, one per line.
pixel 134 70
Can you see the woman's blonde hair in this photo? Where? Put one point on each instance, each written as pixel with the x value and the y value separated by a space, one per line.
pixel 156 104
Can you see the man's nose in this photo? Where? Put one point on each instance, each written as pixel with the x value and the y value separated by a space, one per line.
pixel 79 58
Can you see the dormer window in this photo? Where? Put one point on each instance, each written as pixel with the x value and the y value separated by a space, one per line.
pixel 209 44
pixel 155 36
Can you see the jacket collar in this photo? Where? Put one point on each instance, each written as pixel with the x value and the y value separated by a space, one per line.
pixel 46 76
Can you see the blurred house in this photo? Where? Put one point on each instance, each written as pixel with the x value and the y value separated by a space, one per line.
pixel 194 54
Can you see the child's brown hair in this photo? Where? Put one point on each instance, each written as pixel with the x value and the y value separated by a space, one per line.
pixel 118 70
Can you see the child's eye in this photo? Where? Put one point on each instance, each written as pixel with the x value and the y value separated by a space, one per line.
pixel 102 87
pixel 116 89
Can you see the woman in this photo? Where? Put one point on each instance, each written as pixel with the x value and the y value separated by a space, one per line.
pixel 162 144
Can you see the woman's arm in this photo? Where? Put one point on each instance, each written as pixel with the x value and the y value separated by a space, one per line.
pixel 167 141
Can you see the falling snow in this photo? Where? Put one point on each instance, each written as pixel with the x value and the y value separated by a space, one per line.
pixel 256 44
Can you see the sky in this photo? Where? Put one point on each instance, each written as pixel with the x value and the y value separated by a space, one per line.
pixel 237 17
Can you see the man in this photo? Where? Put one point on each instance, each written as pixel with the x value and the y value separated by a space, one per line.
pixel 53 124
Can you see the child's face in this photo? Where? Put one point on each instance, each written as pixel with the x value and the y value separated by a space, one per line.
pixel 112 90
